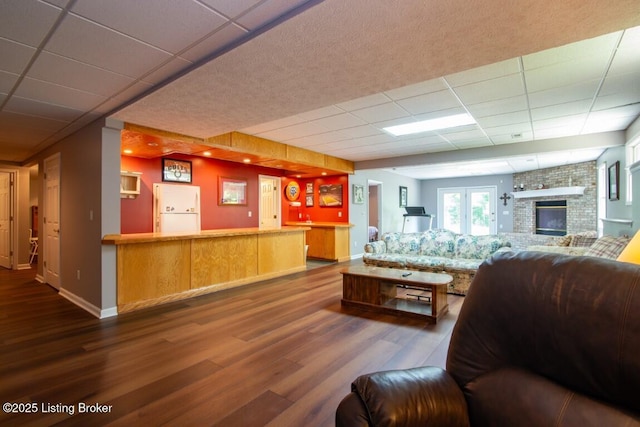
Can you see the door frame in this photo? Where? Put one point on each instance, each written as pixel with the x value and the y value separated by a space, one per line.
pixel 466 220
pixel 278 200
pixel 13 224
pixel 43 240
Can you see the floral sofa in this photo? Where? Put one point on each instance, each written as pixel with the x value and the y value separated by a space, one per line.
pixel 438 251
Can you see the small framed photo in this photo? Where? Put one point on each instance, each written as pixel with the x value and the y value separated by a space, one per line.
pixel 403 197
pixel 309 188
pixel 308 199
pixel 614 179
pixel 232 191
pixel 358 194
pixel 176 170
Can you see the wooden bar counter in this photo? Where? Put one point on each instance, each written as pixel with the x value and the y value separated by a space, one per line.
pixel 153 268
pixel 327 240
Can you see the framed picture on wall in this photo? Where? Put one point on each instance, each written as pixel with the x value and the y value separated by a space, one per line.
pixel 308 199
pixel 403 197
pixel 330 195
pixel 176 170
pixel 358 194
pixel 232 191
pixel 614 180
pixel 309 188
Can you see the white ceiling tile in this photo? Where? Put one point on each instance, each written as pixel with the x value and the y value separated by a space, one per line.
pixel 214 43
pixel 430 102
pixel 378 113
pixel 131 92
pixel 498 106
pixel 340 121
pixel 599 47
pixel 266 11
pixel 566 73
pixel 361 131
pixel 275 124
pixel 231 9
pixel 292 132
pixel 319 139
pixel 15 56
pixel 561 110
pixel 41 109
pixel 166 24
pixel 516 117
pixel 562 95
pixel 320 113
pixel 14 14
pixel 364 102
pixel 77 38
pixel 38 90
pixel 491 90
pixel 429 86
pixel 7 81
pixel 510 129
pixel 622 84
pixel 77 75
pixel 487 72
pixel 166 71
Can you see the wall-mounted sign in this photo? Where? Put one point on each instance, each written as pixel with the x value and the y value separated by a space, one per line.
pixel 292 191
pixel 176 170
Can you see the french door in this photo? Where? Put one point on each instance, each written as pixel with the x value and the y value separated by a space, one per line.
pixel 469 210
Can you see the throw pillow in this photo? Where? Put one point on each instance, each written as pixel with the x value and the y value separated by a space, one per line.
pixel 608 247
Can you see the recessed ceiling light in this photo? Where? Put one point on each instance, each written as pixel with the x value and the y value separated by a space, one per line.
pixel 128 151
pixel 247 160
pixel 433 124
pixel 207 153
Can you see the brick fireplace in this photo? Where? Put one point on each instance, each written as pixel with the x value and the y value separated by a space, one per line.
pixel 581 212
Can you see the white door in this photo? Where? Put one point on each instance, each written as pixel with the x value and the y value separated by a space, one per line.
pixel 5 219
pixel 269 201
pixel 51 221
pixel 468 210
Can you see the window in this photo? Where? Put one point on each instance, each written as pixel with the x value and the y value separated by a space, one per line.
pixel 632 155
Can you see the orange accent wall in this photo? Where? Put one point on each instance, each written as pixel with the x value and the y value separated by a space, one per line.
pixel 316 212
pixel 136 214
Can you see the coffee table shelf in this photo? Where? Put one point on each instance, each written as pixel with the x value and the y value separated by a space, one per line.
pixel 376 289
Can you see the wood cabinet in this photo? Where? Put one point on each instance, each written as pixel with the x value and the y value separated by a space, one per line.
pixel 153 268
pixel 328 240
pixel 129 184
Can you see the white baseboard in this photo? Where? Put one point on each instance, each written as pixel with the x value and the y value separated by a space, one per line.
pixel 87 306
pixel 24 266
pixel 39 278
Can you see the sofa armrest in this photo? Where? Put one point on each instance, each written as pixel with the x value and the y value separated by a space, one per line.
pixel 503 250
pixel 377 247
pixel 425 396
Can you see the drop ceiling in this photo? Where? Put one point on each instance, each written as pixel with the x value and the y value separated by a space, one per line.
pixel 328 75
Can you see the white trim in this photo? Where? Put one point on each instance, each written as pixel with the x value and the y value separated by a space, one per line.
pixel 87 306
pixel 26 266
pixel 547 192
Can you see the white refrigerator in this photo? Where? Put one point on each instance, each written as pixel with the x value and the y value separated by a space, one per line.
pixel 176 208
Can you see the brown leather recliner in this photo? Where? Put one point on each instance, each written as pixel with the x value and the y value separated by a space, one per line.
pixel 541 340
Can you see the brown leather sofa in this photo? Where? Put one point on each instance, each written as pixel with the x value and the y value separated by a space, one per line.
pixel 541 340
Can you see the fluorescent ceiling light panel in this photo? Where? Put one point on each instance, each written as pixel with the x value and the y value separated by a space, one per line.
pixel 433 124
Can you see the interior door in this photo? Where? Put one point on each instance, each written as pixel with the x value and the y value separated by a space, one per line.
pixel 51 222
pixel 269 202
pixel 5 219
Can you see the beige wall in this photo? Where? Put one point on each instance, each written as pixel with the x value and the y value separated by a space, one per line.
pixel 80 213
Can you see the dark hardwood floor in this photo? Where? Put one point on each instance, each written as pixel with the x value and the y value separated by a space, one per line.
pixel 281 352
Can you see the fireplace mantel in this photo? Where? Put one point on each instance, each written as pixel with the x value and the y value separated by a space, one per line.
pixel 548 192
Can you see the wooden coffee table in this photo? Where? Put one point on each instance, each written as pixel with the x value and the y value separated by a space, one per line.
pixel 376 289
